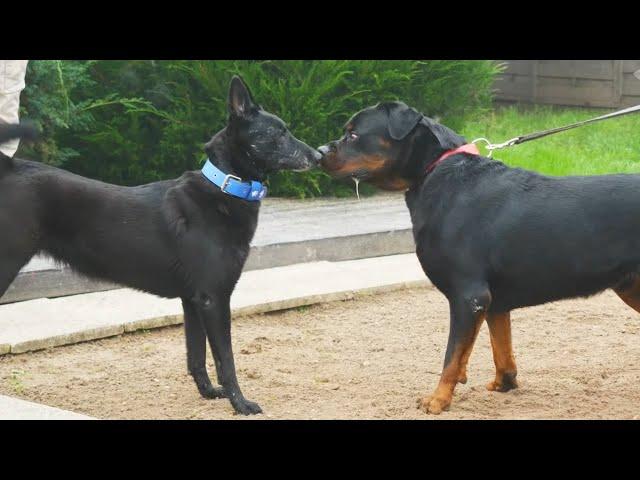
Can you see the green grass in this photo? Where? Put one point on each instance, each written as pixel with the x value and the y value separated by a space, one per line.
pixel 610 146
pixel 15 381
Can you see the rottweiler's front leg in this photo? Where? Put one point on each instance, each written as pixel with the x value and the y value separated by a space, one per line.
pixel 467 312
pixel 216 316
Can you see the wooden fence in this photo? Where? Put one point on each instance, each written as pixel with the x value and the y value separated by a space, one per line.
pixel 585 83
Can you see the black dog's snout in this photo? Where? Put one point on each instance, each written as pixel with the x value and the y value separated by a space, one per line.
pixel 324 149
pixel 317 156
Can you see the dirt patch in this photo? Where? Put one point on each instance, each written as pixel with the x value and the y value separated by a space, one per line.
pixel 369 358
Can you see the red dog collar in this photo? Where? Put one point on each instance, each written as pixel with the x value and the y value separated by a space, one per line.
pixel 467 148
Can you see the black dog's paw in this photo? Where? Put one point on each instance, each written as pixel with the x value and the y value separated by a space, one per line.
pixel 211 392
pixel 245 407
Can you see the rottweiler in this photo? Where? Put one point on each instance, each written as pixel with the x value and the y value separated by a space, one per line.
pixel 184 238
pixel 490 237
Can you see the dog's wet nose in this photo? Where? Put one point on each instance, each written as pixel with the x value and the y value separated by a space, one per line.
pixel 324 149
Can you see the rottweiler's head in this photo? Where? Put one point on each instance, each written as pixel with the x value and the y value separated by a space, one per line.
pixel 389 145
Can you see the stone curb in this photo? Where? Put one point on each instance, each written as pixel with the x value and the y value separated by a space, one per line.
pixel 172 320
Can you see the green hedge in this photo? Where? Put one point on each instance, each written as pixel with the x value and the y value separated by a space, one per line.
pixel 132 122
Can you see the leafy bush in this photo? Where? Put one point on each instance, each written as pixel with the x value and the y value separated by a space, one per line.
pixel 132 122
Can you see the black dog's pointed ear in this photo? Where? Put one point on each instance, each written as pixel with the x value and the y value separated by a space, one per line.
pixel 402 119
pixel 240 99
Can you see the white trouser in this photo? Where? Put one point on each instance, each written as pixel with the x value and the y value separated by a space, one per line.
pixel 12 73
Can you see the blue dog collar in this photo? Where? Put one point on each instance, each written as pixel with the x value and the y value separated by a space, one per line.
pixel 232 185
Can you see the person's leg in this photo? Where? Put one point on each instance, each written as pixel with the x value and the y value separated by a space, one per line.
pixel 12 73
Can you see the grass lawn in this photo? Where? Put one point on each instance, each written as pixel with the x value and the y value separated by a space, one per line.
pixel 610 146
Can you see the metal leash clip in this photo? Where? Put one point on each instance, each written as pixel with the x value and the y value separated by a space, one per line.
pixel 491 147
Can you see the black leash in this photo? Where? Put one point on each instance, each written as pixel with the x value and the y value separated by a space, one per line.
pixel 533 136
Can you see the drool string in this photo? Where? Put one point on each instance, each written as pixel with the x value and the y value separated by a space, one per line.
pixel 357 182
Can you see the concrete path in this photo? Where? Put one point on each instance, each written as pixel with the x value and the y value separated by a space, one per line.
pixel 289 232
pixel 16 409
pixel 43 323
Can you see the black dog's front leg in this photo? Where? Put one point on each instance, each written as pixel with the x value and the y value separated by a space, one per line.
pixel 216 316
pixel 197 351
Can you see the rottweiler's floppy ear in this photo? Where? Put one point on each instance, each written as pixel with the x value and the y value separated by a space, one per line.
pixel 446 138
pixel 240 99
pixel 402 120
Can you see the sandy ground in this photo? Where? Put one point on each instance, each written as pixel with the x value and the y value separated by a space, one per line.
pixel 368 358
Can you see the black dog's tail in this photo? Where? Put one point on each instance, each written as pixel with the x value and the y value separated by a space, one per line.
pixel 8 132
pixel 24 130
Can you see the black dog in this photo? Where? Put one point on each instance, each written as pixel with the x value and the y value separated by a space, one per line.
pixel 186 238
pixel 490 237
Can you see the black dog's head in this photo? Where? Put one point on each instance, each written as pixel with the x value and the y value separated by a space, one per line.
pixel 259 142
pixel 389 145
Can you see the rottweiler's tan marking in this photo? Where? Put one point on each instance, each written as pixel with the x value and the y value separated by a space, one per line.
pixel 630 293
pixel 506 371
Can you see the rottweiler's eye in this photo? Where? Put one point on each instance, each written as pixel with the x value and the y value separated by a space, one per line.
pixel 352 135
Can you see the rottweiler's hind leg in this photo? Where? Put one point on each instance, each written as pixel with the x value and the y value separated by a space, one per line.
pixel 629 292
pixel 506 371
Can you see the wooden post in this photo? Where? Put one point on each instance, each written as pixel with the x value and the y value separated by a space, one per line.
pixel 534 80
pixel 618 81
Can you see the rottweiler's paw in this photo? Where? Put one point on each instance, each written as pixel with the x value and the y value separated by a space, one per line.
pixel 433 405
pixel 245 407
pixel 211 392
pixel 504 384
